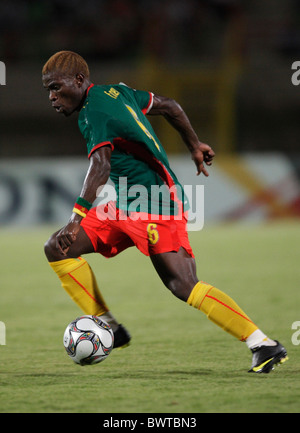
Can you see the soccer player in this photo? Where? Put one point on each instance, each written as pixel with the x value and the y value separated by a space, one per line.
pixel 122 146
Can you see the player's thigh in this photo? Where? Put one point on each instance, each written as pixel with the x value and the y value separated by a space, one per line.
pixel 177 270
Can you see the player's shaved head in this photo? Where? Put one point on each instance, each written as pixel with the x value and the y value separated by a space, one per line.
pixel 67 63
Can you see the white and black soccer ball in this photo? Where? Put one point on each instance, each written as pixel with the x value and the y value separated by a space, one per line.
pixel 88 340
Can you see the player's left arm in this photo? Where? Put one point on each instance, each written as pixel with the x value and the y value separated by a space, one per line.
pixel 176 116
pixel 96 177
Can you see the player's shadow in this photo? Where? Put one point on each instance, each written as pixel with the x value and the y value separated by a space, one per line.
pixel 163 374
pixel 198 372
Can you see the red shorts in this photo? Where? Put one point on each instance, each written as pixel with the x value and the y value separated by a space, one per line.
pixel 112 230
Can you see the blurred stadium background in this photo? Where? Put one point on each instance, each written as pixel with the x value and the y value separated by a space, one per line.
pixel 227 62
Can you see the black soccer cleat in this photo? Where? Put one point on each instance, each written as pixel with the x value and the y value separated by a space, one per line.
pixel 122 337
pixel 266 357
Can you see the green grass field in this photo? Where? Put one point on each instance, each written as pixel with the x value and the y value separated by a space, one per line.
pixel 178 362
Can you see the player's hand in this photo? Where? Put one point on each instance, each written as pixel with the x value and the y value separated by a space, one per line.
pixel 202 154
pixel 67 236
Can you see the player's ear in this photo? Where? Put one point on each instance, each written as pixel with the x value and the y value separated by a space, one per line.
pixel 79 79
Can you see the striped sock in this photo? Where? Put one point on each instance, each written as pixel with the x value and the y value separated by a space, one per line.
pixel 222 310
pixel 79 281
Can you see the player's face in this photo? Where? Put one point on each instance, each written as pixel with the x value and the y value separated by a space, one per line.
pixel 65 93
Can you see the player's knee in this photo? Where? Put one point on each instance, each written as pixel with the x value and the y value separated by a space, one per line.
pixel 50 248
pixel 181 288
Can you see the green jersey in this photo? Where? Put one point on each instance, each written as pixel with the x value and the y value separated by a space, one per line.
pixel 115 115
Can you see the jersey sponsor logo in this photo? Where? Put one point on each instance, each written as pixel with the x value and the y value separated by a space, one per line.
pixel 113 93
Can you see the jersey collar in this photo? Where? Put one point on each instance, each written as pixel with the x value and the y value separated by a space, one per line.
pixel 89 88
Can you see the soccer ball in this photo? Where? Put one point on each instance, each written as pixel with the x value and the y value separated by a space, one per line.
pixel 88 340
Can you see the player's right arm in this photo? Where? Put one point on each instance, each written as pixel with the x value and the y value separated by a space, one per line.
pixel 175 115
pixel 96 177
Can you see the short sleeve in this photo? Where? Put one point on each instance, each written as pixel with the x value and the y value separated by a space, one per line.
pixel 144 100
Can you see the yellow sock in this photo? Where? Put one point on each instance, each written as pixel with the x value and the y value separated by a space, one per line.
pixel 222 310
pixel 78 279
